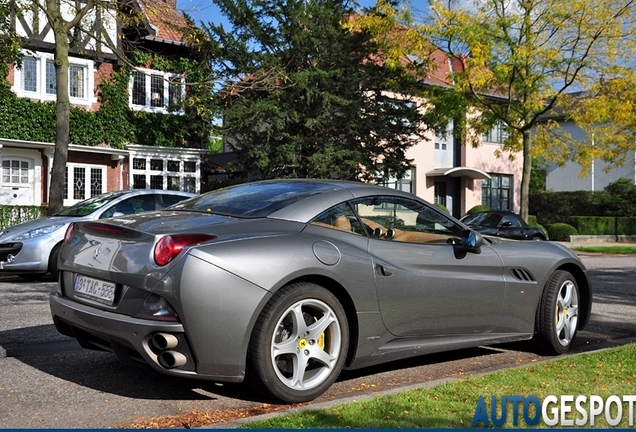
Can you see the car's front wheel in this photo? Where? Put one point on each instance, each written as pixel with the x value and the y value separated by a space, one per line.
pixel 299 343
pixel 558 314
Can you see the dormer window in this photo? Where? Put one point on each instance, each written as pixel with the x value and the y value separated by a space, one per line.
pixel 156 91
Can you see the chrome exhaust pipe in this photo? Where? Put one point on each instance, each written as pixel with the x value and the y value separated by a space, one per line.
pixel 172 359
pixel 164 341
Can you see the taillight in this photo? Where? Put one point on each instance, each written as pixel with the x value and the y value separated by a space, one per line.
pixel 170 246
pixel 69 232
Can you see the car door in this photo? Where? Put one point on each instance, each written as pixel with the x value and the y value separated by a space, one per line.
pixel 510 227
pixel 426 284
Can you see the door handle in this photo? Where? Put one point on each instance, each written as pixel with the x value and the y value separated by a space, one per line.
pixel 383 271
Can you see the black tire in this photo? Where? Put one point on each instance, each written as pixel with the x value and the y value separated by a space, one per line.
pixel 54 260
pixel 557 316
pixel 294 360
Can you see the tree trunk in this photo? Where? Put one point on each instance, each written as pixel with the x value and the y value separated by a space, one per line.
pixel 62 112
pixel 527 172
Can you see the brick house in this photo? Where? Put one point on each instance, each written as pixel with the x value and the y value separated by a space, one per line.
pixel 95 169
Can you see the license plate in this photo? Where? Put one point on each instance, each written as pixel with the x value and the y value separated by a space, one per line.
pixel 95 289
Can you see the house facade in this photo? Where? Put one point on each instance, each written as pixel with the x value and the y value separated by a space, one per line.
pixel 568 178
pixel 92 168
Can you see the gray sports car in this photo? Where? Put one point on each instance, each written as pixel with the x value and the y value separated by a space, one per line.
pixel 285 283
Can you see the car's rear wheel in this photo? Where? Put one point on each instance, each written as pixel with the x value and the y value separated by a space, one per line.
pixel 299 343
pixel 558 314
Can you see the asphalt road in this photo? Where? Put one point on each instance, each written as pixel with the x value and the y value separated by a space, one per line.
pixel 48 381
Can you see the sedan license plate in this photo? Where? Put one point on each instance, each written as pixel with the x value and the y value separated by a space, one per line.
pixel 95 289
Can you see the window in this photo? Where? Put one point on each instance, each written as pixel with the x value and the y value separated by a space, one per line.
pixel 404 184
pixel 496 192
pixel 497 134
pixel 36 79
pixel 83 181
pixel 405 220
pixel 170 174
pixel 15 172
pixel 440 193
pixel 156 91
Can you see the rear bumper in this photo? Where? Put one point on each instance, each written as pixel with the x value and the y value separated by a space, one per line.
pixel 131 339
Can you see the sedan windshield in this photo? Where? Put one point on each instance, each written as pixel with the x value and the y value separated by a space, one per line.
pixel 253 200
pixel 88 206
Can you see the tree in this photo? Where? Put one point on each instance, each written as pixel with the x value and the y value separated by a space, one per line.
pixel 9 40
pixel 75 25
pixel 304 97
pixel 519 58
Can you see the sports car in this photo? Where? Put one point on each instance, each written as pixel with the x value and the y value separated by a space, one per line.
pixel 285 283
pixel 503 223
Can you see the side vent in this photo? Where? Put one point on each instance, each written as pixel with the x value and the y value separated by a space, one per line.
pixel 522 275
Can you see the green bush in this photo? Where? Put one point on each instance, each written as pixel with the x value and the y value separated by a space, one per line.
pixel 561 231
pixel 479 208
pixel 620 198
pixel 552 207
pixel 594 225
pixel 13 215
pixel 626 226
pixel 442 208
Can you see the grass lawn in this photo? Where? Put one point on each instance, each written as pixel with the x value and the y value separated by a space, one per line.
pixel 453 405
pixel 613 249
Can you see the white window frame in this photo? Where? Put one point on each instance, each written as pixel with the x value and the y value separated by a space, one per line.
pixel 41 59
pixel 166 77
pixel 70 200
pixel 164 173
pixel 29 172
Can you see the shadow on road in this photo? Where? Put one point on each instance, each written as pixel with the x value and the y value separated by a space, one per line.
pixel 613 322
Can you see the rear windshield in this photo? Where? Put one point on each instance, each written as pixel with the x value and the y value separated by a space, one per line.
pixel 253 200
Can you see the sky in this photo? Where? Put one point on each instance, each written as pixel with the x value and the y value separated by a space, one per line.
pixel 206 11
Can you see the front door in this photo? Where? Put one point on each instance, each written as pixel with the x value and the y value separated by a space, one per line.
pixel 426 284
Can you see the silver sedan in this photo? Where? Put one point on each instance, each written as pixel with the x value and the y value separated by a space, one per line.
pixel 31 249
pixel 285 283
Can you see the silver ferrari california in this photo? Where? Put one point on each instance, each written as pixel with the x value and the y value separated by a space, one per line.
pixel 285 283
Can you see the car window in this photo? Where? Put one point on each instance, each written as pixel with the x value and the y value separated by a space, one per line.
pixel 253 200
pixel 403 219
pixel 168 200
pixel 490 220
pixel 90 205
pixel 340 217
pixel 136 204
pixel 513 221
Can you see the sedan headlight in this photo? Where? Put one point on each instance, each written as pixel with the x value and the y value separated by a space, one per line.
pixel 39 232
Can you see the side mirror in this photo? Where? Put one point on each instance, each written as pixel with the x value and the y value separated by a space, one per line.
pixel 472 239
pixel 506 224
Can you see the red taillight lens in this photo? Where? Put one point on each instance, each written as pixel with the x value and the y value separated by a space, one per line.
pixel 69 232
pixel 170 246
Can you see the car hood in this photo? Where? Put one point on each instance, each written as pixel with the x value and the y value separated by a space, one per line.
pixel 16 230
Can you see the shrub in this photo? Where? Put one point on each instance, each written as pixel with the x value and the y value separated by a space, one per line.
pixel 479 208
pixel 594 225
pixel 442 207
pixel 561 231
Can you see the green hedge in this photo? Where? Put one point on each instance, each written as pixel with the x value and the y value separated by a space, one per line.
pixel 13 215
pixel 594 225
pixel 561 231
pixel 604 225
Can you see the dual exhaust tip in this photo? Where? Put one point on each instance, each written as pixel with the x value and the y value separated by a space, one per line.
pixel 168 358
